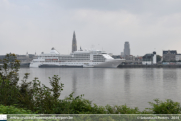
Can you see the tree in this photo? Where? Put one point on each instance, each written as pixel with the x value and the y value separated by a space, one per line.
pixel 158 58
pixel 9 79
pixel 30 95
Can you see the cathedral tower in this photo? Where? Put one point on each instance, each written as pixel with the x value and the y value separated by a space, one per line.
pixel 74 43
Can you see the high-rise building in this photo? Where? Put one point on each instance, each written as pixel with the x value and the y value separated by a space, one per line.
pixel 74 43
pixel 126 49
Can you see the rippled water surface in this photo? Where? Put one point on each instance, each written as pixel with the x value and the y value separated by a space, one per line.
pixel 115 86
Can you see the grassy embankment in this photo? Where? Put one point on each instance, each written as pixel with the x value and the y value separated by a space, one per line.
pixel 35 98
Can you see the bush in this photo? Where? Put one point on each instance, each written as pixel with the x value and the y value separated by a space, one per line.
pixel 9 79
pixel 13 110
pixel 30 95
pixel 123 109
pixel 167 107
pixel 71 105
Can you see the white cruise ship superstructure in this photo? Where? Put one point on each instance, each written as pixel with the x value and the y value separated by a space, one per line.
pixel 80 58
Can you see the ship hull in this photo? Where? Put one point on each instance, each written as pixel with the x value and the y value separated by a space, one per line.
pixel 108 64
pixel 58 66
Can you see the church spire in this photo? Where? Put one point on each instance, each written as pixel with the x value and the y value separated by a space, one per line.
pixel 74 43
pixel 74 35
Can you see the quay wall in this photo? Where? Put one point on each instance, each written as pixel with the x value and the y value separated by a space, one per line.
pixel 149 66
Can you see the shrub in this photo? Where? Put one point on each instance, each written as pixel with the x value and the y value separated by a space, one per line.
pixel 71 105
pixel 9 79
pixel 167 107
pixel 123 109
pixel 30 95
pixel 13 110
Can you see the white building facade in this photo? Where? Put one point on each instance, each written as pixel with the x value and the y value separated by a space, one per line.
pixel 178 57
pixel 149 59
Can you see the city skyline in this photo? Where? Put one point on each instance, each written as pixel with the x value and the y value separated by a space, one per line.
pixel 38 25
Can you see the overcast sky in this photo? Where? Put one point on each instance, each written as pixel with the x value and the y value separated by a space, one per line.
pixel 38 25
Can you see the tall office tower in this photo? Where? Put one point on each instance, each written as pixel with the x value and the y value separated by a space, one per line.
pixel 74 43
pixel 126 49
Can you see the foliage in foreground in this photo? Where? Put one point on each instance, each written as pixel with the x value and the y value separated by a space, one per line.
pixel 13 110
pixel 41 99
pixel 167 107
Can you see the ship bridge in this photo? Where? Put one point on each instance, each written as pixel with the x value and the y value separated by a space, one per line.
pixel 53 51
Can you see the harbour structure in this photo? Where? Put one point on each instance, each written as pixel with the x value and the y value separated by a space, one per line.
pixel 24 59
pixel 74 43
pixel 149 59
pixel 80 58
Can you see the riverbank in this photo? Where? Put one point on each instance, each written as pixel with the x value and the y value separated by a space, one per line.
pixel 41 98
pixel 149 66
pixel 26 65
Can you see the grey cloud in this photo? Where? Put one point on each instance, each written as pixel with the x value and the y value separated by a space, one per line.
pixel 38 25
pixel 133 6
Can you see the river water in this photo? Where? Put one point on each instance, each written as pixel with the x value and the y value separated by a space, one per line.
pixel 134 87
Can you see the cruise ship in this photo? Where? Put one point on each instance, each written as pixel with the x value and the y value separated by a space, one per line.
pixel 77 59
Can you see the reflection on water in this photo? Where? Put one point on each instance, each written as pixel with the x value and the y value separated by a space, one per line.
pixel 170 74
pixel 127 81
pixel 170 83
pixel 115 86
pixel 74 81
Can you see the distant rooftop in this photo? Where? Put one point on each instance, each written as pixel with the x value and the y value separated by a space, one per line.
pixel 169 51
